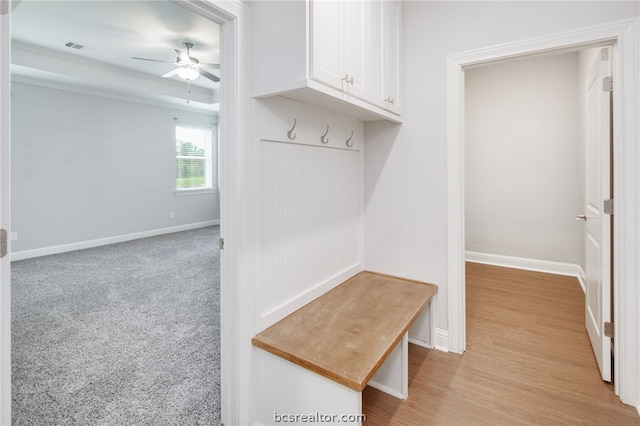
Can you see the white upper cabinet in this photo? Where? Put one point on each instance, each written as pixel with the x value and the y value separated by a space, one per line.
pixel 335 54
pixel 326 39
pixel 392 55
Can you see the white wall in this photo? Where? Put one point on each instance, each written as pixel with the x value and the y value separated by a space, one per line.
pixel 405 167
pixel 86 167
pixel 523 159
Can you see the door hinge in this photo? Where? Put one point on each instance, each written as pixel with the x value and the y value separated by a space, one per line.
pixel 607 84
pixel 608 329
pixel 608 206
pixel 4 244
pixel 221 243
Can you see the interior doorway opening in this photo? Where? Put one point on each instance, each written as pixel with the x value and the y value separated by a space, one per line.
pixel 621 35
pixel 226 125
pixel 530 126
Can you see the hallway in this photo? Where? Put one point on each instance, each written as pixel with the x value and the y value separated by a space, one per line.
pixel 528 361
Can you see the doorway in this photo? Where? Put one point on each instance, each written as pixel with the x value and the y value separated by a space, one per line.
pixel 526 176
pixel 621 34
pixel 232 18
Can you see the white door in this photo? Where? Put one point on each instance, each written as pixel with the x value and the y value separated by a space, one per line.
pixel 597 222
pixel 5 210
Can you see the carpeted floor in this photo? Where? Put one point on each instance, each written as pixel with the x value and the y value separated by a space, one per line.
pixel 125 334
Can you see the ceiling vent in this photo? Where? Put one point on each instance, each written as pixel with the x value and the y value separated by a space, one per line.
pixel 74 45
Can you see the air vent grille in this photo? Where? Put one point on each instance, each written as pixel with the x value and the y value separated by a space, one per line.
pixel 74 45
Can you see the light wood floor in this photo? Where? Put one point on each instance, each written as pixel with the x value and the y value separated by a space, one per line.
pixel 528 361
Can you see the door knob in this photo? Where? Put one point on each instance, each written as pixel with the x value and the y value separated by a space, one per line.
pixel 581 217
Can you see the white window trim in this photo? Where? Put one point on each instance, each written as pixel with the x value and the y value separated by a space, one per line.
pixel 212 158
pixel 193 191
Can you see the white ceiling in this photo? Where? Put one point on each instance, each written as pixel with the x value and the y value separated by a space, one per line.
pixel 112 32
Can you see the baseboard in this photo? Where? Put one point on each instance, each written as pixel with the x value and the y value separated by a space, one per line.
pixel 441 340
pixel 582 278
pixel 419 342
pixel 276 313
pixel 63 248
pixel 547 266
pixel 386 389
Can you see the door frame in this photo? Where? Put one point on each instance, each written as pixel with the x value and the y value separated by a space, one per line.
pixel 233 17
pixel 623 36
pixel 5 212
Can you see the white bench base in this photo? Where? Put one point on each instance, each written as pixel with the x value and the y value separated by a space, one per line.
pixel 286 393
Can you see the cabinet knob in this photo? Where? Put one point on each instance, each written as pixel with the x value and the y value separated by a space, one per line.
pixel 389 100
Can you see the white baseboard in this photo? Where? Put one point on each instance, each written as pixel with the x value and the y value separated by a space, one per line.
pixel 548 266
pixel 419 342
pixel 63 248
pixel 441 340
pixel 582 278
pixel 386 389
pixel 274 314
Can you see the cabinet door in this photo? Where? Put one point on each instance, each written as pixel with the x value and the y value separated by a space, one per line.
pixel 326 42
pixel 392 55
pixel 355 49
pixel 375 45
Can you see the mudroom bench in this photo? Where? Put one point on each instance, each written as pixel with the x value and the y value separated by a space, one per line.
pixel 313 365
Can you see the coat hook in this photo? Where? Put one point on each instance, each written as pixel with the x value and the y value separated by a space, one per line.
pixel 324 139
pixel 290 133
pixel 349 141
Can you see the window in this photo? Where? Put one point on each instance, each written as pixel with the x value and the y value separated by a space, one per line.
pixel 194 158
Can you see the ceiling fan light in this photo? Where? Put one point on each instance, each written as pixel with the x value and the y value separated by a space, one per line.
pixel 187 73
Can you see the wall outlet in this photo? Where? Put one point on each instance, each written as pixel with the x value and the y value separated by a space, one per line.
pixel 171 215
pixel 13 236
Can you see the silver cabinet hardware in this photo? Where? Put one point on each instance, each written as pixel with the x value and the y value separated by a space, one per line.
pixel 581 217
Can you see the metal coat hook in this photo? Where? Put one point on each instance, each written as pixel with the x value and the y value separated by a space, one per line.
pixel 324 139
pixel 349 141
pixel 290 133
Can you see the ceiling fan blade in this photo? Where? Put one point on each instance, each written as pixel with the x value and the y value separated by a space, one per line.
pixel 209 76
pixel 171 73
pixel 152 60
pixel 214 66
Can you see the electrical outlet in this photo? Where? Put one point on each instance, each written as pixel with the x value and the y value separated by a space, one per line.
pixel 14 236
pixel 171 215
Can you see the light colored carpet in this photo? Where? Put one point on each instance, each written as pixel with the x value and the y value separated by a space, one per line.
pixel 125 334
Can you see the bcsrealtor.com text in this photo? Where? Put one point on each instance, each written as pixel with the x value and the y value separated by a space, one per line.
pixel 318 417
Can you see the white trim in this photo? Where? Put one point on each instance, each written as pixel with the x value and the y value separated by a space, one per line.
pixel 80 245
pixel 275 314
pixel 582 277
pixel 547 266
pixel 623 36
pixel 5 213
pixel 193 191
pixel 420 343
pixel 441 340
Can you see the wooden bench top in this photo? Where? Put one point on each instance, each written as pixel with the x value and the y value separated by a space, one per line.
pixel 347 333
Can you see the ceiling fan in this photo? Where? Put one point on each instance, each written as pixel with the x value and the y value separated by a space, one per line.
pixel 189 68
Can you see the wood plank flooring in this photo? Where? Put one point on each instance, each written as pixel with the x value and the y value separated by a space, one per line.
pixel 528 362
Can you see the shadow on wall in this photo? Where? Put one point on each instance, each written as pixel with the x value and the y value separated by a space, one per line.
pixel 381 135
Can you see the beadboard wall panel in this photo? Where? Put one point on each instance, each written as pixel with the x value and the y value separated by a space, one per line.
pixel 310 212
